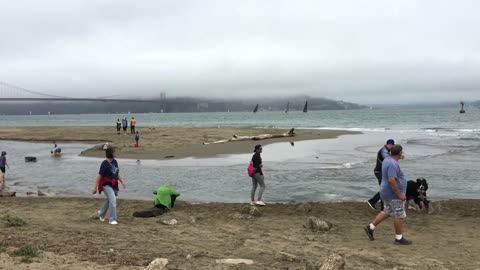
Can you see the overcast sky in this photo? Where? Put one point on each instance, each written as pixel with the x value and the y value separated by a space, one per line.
pixel 373 51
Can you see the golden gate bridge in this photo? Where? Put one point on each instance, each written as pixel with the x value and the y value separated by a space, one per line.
pixel 10 92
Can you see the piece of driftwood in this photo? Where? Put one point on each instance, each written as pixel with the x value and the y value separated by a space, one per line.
pixel 236 138
pixel 7 194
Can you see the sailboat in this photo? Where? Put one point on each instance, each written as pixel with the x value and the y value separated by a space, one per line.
pixel 305 108
pixel 288 107
pixel 255 109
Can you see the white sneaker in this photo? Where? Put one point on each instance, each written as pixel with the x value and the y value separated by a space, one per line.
pixel 252 203
pixel 113 222
pixel 99 217
pixel 260 203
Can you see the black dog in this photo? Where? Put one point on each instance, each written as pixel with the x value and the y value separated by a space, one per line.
pixel 417 192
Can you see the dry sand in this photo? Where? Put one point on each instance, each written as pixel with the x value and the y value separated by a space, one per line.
pixel 161 142
pixel 67 235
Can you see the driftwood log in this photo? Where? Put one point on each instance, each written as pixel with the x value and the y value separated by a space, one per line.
pixel 236 138
pixel 7 194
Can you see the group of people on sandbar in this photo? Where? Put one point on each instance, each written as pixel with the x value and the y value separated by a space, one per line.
pixel 124 125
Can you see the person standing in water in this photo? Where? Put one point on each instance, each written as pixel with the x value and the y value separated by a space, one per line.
pixel 107 181
pixel 257 178
pixel 3 163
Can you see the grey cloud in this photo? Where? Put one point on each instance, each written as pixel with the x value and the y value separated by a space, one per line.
pixel 359 51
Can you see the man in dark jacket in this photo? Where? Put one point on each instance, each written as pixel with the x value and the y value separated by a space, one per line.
pixel 383 153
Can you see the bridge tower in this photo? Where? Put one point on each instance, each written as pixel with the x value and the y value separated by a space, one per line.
pixel 163 102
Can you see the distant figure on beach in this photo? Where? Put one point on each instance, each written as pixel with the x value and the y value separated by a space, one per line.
pixel 137 138
pixel 3 163
pixel 382 154
pixel 124 125
pixel 133 123
pixel 165 197
pixel 56 151
pixel 107 181
pixel 106 146
pixel 119 126
pixel 257 178
pixel 393 194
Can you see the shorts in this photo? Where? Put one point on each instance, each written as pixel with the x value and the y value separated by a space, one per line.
pixel 2 169
pixel 394 208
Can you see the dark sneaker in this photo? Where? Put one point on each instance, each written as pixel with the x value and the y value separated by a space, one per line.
pixel 403 241
pixel 369 232
pixel 371 205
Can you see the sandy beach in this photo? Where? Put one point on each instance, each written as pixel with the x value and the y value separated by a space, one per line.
pixel 161 142
pixel 67 235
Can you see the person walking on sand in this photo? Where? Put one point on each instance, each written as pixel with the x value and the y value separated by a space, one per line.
pixel 383 153
pixel 393 194
pixel 119 126
pixel 107 181
pixel 133 123
pixel 3 163
pixel 257 178
pixel 137 138
pixel 165 197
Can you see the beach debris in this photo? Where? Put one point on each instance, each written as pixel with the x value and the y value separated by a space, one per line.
pixel 168 222
pixel 333 262
pixel 188 256
pixel 287 257
pixel 234 261
pixel 30 159
pixel 305 208
pixel 236 137
pixel 7 194
pixel 43 191
pixel 158 264
pixel 315 224
pixel 251 210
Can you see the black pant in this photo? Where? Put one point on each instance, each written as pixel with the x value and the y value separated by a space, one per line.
pixel 172 203
pixel 132 129
pixel 376 197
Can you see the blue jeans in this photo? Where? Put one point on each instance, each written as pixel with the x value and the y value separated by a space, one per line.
pixel 110 203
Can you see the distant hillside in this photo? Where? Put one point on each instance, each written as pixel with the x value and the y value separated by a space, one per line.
pixel 173 105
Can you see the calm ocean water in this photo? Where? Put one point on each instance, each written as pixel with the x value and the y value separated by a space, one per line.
pixel 441 145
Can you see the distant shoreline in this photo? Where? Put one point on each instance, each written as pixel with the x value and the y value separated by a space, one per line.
pixel 159 143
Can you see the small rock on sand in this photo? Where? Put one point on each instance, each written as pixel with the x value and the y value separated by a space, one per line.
pixel 234 261
pixel 157 264
pixel 333 262
pixel 286 257
pixel 315 224
pixel 168 222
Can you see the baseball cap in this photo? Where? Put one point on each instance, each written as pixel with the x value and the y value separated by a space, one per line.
pixel 390 141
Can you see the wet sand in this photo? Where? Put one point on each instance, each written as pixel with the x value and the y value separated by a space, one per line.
pixel 161 142
pixel 67 235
